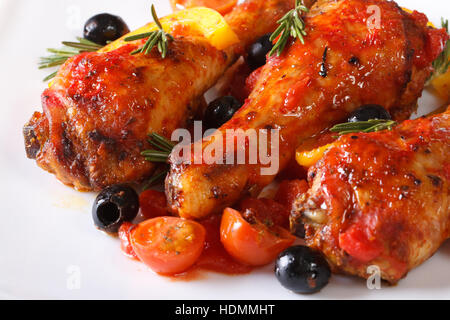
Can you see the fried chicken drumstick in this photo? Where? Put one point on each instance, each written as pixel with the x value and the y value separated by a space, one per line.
pixel 344 63
pixel 101 105
pixel 380 198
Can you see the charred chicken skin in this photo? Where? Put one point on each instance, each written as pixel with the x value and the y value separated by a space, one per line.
pixel 101 106
pixel 344 63
pixel 380 199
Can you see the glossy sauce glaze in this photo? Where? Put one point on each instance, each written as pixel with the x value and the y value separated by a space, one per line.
pixel 380 198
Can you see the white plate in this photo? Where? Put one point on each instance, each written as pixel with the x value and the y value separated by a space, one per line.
pixel 47 236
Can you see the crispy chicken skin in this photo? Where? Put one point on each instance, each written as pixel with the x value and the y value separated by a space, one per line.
pixel 101 105
pixel 380 199
pixel 342 65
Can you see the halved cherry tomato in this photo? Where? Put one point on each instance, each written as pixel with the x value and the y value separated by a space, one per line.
pixel 153 204
pixel 214 256
pixel 222 6
pixel 168 245
pixel 254 244
pixel 124 236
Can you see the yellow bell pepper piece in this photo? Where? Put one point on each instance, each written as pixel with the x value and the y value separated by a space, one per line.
pixel 442 86
pixel 198 21
pixel 308 158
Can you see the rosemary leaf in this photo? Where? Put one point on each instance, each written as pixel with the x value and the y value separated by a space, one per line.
pixel 81 46
pixel 50 76
pixel 162 148
pixel 158 38
pixel 135 52
pixel 51 64
pixel 61 52
pixel 291 25
pixel 50 59
pixel 157 159
pixel 152 43
pixel 157 146
pixel 60 56
pixel 155 178
pixel 162 140
pixel 138 36
pixel 88 42
pixel 160 154
pixel 155 18
pixel 363 126
pixel 277 32
pixel 155 154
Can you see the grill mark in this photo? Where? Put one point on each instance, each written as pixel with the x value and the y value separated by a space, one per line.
pixel 435 180
pixel 97 136
pixel 66 143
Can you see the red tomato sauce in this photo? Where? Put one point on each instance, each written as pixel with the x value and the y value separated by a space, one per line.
pixel 214 256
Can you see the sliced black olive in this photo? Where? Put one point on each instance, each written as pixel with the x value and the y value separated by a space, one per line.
pixel 113 206
pixel 302 269
pixel 105 27
pixel 258 51
pixel 220 111
pixel 369 112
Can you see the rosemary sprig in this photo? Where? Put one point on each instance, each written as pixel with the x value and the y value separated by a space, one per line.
pixel 70 49
pixel 291 25
pixel 161 148
pixel 363 126
pixel 442 63
pixel 160 154
pixel 158 38
pixel 155 178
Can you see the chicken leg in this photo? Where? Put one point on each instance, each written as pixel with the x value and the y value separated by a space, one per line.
pixel 380 199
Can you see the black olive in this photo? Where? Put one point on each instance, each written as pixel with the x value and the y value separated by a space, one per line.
pixel 258 51
pixel 105 27
pixel 113 206
pixel 369 112
pixel 220 111
pixel 302 269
